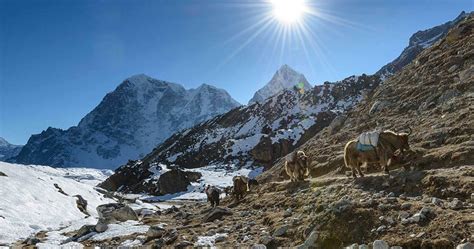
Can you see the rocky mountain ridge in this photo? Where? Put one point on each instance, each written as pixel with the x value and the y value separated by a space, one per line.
pixel 417 43
pixel 8 150
pixel 130 121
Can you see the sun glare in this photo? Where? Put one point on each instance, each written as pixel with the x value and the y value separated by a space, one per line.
pixel 288 11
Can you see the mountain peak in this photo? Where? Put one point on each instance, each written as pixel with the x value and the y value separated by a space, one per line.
pixel 284 78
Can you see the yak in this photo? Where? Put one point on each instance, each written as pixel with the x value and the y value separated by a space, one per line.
pixel 213 194
pixel 389 143
pixel 297 168
pixel 241 186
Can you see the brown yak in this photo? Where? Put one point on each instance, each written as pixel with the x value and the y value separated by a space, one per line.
pixel 213 194
pixel 389 142
pixel 297 168
pixel 242 186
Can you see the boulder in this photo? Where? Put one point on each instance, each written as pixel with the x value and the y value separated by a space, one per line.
pixel 155 232
pixel 380 244
pixel 280 231
pixel 216 213
pixel 101 226
pixel 175 181
pixel 116 212
pixel 3 174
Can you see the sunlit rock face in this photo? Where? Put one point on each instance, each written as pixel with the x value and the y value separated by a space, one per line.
pixel 129 122
pixel 284 78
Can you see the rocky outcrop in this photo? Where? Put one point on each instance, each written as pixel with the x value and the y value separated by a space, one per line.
pixel 126 179
pixel 417 43
pixel 128 123
pixel 115 212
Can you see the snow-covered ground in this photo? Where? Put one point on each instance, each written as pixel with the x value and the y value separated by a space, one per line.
pixel 31 203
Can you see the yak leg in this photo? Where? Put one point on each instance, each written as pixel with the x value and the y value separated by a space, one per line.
pixel 360 171
pixel 353 171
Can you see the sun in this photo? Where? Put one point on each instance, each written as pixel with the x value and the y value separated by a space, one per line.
pixel 288 11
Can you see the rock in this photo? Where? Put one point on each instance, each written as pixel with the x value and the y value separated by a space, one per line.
pixel 363 246
pixel 221 238
pixel 353 246
pixel 417 217
pixel 216 213
pixel 116 212
pixel 83 231
pixel 170 236
pixel 426 211
pixel 81 204
pixel 406 205
pixel 381 228
pixel 184 244
pixel 467 245
pixel 380 244
pixel 436 201
pixel 403 215
pixel 258 246
pixel 472 197
pixel 268 241
pixel 391 194
pixel 455 204
pixel 101 226
pixel 378 106
pixel 155 232
pixel 287 213
pixel 175 181
pixel 31 241
pixel 310 241
pixel 396 247
pixel 452 68
pixel 280 231
pixel 3 174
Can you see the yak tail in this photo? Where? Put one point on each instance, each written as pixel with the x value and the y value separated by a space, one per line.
pixel 347 160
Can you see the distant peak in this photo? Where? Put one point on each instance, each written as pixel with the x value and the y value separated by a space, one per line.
pixel 285 67
pixel 138 78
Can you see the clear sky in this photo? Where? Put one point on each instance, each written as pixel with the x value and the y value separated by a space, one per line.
pixel 58 59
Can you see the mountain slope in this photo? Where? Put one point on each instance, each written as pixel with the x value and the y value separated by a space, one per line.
pixel 8 150
pixel 434 96
pixel 417 43
pixel 139 114
pixel 284 78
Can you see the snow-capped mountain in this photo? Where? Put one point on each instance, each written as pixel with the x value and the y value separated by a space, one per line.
pixel 249 136
pixel 417 43
pixel 8 150
pixel 128 123
pixel 284 78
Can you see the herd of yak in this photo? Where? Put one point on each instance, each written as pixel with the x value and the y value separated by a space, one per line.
pixel 389 146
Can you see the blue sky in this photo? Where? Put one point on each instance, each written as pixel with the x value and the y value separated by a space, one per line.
pixel 58 59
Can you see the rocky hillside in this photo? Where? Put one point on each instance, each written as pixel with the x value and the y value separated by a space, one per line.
pixel 8 150
pixel 253 135
pixel 434 96
pixel 128 123
pixel 285 78
pixel 417 43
